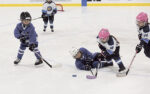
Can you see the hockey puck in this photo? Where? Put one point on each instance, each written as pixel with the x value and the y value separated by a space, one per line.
pixel 74 75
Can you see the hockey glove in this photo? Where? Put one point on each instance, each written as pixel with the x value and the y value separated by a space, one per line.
pixel 102 47
pixel 32 47
pixel 88 67
pixel 105 54
pixel 98 56
pixel 138 48
pixel 22 39
pixel 139 36
pixel 43 15
pixel 54 12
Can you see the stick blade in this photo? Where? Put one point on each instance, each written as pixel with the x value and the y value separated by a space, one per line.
pixel 57 65
pixel 90 77
pixel 121 74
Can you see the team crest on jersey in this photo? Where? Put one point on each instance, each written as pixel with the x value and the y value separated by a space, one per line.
pixel 49 8
pixel 111 47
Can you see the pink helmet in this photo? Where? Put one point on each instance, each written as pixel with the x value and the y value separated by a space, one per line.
pixel 142 17
pixel 104 33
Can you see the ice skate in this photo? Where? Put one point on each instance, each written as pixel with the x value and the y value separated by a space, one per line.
pixel 16 61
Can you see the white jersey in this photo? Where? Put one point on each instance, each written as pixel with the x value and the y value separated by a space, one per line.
pixel 48 8
pixel 110 45
pixel 145 33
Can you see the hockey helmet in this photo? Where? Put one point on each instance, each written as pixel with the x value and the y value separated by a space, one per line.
pixel 49 1
pixel 25 16
pixel 74 51
pixel 104 34
pixel 142 17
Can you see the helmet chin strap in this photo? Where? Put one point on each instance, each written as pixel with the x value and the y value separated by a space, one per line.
pixel 145 23
pixel 25 25
pixel 105 41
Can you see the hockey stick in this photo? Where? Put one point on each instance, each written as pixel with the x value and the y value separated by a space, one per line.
pixel 126 73
pixel 91 72
pixel 36 18
pixel 97 70
pixel 131 63
pixel 98 66
pixel 43 60
pixel 96 73
pixel 33 19
pixel 91 76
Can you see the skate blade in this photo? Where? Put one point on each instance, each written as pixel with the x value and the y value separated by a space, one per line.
pixel 40 65
pixel 57 65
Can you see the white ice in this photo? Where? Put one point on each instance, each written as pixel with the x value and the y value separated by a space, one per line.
pixel 76 27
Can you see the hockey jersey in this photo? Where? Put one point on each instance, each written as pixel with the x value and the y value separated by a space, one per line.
pixel 49 8
pixel 86 58
pixel 28 32
pixel 109 46
pixel 144 34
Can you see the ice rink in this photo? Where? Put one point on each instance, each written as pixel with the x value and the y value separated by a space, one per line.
pixel 76 27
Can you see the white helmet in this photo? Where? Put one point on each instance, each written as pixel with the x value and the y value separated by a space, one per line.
pixel 74 51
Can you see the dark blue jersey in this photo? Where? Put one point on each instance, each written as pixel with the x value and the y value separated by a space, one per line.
pixel 86 58
pixel 28 32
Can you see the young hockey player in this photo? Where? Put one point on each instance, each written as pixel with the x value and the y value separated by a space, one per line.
pixel 25 32
pixel 48 11
pixel 110 48
pixel 85 60
pixel 144 33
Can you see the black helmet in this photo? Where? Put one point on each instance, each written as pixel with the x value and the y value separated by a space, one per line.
pixel 25 16
pixel 48 1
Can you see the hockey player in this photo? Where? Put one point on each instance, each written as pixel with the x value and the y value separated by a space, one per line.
pixel 48 11
pixel 110 48
pixel 25 32
pixel 85 60
pixel 144 33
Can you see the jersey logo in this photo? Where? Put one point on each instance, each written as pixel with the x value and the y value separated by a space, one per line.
pixel 49 8
pixel 111 47
pixel 145 35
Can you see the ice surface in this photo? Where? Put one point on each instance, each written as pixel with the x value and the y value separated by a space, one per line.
pixel 76 27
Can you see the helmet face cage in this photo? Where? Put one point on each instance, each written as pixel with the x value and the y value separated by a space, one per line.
pixel 74 52
pixel 104 40
pixel 48 1
pixel 140 23
pixel 141 19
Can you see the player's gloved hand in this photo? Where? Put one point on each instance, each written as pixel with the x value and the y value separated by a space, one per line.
pixel 32 47
pixel 139 36
pixel 43 15
pixel 88 67
pixel 98 56
pixel 54 12
pixel 138 48
pixel 22 39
